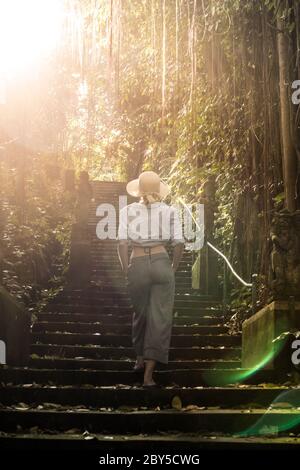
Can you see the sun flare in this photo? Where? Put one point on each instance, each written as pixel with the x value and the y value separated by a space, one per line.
pixel 28 31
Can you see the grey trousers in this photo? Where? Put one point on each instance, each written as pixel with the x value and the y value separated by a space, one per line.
pixel 151 287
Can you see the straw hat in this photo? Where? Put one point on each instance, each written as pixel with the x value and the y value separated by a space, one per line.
pixel 148 182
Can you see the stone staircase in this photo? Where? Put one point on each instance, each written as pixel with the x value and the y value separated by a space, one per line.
pixel 79 385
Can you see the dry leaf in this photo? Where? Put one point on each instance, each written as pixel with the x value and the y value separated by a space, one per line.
pixel 176 403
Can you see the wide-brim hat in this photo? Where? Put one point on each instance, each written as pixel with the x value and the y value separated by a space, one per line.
pixel 147 182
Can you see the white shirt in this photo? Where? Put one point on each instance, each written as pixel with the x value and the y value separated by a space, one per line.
pixel 157 223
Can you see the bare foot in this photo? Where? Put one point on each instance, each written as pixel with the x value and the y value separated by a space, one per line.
pixel 148 383
pixel 139 363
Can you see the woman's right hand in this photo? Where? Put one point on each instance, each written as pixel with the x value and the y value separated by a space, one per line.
pixel 123 257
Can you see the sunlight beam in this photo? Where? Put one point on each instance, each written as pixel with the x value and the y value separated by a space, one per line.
pixel 29 30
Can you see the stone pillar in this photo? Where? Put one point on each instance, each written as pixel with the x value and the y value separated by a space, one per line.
pixel 52 171
pixel 285 256
pixel 84 196
pixel 79 272
pixel 281 318
pixel 14 330
pixel 273 322
pixel 1 240
pixel 69 180
pixel 204 271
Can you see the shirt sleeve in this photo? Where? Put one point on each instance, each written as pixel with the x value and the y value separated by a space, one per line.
pixel 176 228
pixel 122 236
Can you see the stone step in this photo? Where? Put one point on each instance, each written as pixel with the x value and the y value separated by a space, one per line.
pixel 98 352
pixel 125 319
pixel 125 307
pixel 90 301
pixel 144 422
pixel 108 364
pixel 112 262
pixel 112 397
pixel 114 265
pixel 111 255
pixel 99 184
pixel 109 186
pixel 117 273
pixel 124 304
pixel 88 298
pixel 179 341
pixel 110 192
pixel 89 308
pixel 109 246
pixel 99 294
pixel 104 259
pixel 180 377
pixel 80 447
pixel 107 190
pixel 108 301
pixel 109 195
pixel 180 276
pixel 114 269
pixel 119 301
pixel 121 284
pixel 119 281
pixel 111 242
pixel 119 288
pixel 119 329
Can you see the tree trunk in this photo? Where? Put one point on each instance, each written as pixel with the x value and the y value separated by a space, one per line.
pixel 289 158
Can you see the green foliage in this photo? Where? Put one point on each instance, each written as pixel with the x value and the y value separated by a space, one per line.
pixel 36 233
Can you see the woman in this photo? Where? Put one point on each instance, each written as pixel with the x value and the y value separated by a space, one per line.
pixel 147 226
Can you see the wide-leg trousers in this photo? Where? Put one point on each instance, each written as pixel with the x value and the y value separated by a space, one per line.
pixel 151 287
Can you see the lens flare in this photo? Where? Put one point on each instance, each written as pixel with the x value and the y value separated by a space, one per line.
pixel 286 418
pixel 28 31
pixel 228 377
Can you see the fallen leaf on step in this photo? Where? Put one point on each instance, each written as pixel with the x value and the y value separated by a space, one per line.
pixel 50 406
pixel 176 403
pixel 127 408
pixel 267 385
pixel 72 431
pixel 21 406
pixel 87 436
pixel 194 408
pixel 281 405
pixel 34 430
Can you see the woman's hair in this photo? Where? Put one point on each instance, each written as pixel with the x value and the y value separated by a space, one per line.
pixel 149 198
